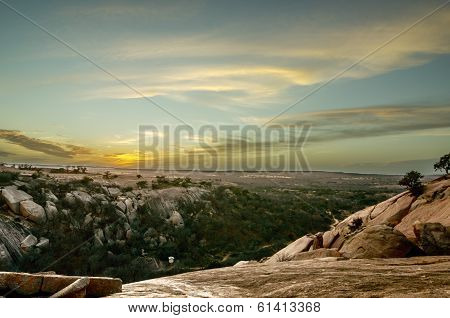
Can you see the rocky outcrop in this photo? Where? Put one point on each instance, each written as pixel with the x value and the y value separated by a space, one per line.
pixel 377 241
pixel 324 277
pixel 391 228
pixel 292 250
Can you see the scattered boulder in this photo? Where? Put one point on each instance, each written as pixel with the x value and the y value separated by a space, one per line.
pixel 51 210
pixel 29 242
pixel 99 237
pixel 51 197
pixel 33 211
pixel 377 241
pixel 70 199
pixel 176 219
pixel 13 197
pixel 433 238
pixel 121 206
pixel 84 198
pixel 114 192
pixel 43 242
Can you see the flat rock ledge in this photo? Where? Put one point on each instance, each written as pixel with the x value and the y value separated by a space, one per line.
pixel 424 276
pixel 48 284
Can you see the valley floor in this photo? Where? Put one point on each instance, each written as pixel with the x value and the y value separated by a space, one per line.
pixel 426 276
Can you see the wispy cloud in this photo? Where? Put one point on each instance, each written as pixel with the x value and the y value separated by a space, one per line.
pixel 337 124
pixel 53 149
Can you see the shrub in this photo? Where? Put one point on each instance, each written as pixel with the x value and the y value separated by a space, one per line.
pixel 355 224
pixel 142 184
pixel 443 164
pixel 411 181
pixel 6 177
pixel 127 189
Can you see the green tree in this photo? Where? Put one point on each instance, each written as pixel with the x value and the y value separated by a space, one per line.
pixel 443 164
pixel 412 182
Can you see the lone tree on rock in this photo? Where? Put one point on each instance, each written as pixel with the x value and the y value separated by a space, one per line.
pixel 412 182
pixel 443 164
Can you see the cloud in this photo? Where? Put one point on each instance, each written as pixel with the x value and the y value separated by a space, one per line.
pixel 4 153
pixel 53 149
pixel 374 121
pixel 250 63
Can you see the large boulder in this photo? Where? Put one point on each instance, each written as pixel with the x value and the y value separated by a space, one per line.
pixel 433 238
pixel 33 211
pixel 289 252
pixel 377 241
pixel 13 197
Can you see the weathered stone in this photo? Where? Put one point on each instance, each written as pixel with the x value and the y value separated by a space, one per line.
pixel 121 215
pixel 176 219
pixel 129 205
pixel 395 212
pixel 88 220
pixel 381 207
pixel 162 240
pixel 121 206
pixel 114 192
pixel 317 253
pixel 74 290
pixel 21 283
pixel 436 211
pixel 377 241
pixel 13 197
pixel 33 211
pixel 29 242
pixel 290 251
pixel 43 242
pixel 328 238
pixel 6 261
pixel 244 263
pixel 84 198
pixel 129 234
pixel 132 217
pixel 99 237
pixel 433 238
pixel 50 210
pixel 98 286
pixel 51 197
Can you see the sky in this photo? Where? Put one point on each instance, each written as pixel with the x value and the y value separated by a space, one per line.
pixel 219 63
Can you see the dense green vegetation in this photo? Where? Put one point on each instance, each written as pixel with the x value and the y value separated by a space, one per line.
pixel 227 225
pixel 7 177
